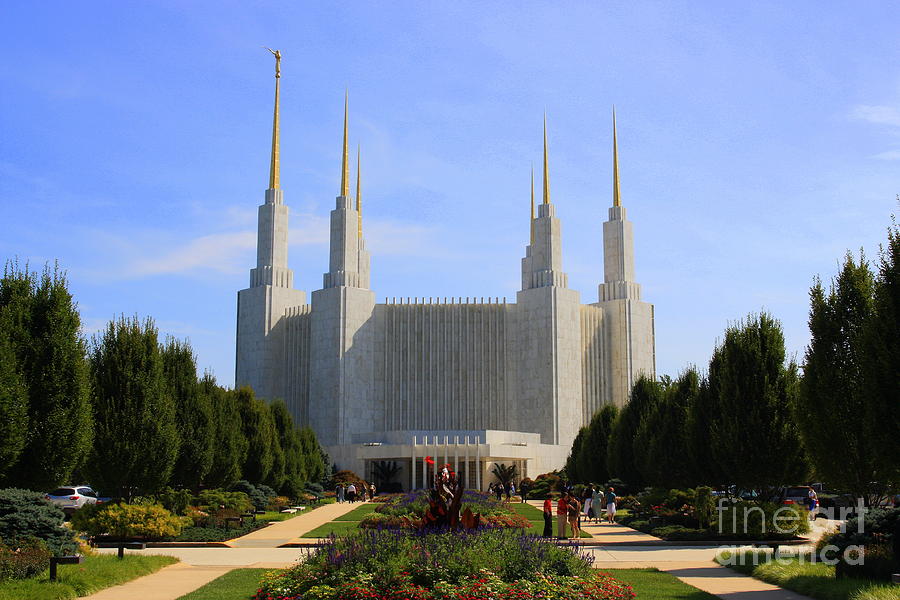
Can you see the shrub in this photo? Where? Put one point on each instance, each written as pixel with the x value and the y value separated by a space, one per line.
pixel 677 532
pixel 26 514
pixel 176 501
pixel 704 505
pixel 124 521
pixel 215 499
pixel 878 537
pixel 266 490
pixel 257 497
pixel 276 502
pixel 23 558
pixel 747 520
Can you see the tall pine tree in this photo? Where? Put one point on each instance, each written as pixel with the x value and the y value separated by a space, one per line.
pixel 42 327
pixel 136 437
pixel 592 454
pixel 193 415
pixel 620 458
pixel 259 431
pixel 230 451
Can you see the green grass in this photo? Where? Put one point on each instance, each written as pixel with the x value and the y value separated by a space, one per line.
pixel 271 515
pixel 359 513
pixel 93 575
pixel 239 584
pixel 816 580
pixel 335 527
pixel 650 583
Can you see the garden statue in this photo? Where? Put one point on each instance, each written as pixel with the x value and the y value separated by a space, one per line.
pixel 444 503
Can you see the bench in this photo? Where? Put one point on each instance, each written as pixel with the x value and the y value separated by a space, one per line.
pixel 63 560
pixel 122 546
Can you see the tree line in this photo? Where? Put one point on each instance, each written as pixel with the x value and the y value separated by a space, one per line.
pixel 125 411
pixel 759 421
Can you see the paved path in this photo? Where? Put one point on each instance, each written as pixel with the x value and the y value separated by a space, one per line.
pixel 283 532
pixel 691 564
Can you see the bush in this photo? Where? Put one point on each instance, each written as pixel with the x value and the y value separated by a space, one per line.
pixel 125 521
pixel 748 520
pixel 257 497
pixel 677 532
pixel 213 500
pixel 880 529
pixel 176 501
pixel 23 558
pixel 26 514
pixel 276 502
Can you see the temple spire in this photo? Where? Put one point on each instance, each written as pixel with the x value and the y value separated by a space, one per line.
pixel 358 194
pixel 531 223
pixel 274 165
pixel 345 156
pixel 546 166
pixel 616 200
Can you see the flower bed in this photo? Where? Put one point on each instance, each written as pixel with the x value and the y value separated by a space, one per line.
pixel 483 564
pixel 380 521
pixel 405 511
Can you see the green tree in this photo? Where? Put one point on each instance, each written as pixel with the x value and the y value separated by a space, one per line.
pixel 317 468
pixel 42 329
pixel 259 431
pixel 661 443
pixel 291 448
pixel 13 404
pixel 839 408
pixel 701 414
pixel 571 468
pixel 591 462
pixel 136 436
pixel 193 415
pixel 754 437
pixel 230 449
pixel 620 457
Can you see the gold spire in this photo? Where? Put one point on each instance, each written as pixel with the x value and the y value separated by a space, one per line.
pixel 616 200
pixel 274 166
pixel 531 223
pixel 358 195
pixel 546 166
pixel 345 157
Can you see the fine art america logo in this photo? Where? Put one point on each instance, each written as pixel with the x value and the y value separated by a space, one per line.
pixel 784 522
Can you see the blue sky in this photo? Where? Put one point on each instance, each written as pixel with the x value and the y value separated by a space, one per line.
pixel 758 143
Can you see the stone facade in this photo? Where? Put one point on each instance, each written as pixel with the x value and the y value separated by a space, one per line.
pixel 488 379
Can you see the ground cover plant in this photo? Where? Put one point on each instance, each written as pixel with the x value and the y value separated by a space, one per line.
pixel 485 563
pixel 94 574
pixel 816 580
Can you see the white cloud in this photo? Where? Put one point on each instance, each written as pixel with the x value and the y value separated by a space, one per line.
pixel 878 114
pixel 217 252
pixel 889 155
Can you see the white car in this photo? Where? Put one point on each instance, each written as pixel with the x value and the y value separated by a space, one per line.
pixel 72 497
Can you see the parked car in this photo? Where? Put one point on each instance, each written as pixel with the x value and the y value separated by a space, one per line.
pixel 797 495
pixel 72 497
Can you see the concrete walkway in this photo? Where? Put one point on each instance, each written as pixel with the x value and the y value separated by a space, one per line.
pixel 691 564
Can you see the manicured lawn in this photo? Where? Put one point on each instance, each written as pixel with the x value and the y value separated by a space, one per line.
pixel 239 584
pixel 335 527
pixel 359 513
pixel 650 583
pixel 93 575
pixel 816 580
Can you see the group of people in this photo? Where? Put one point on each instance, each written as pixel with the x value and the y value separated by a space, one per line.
pixel 354 493
pixel 569 510
pixel 499 489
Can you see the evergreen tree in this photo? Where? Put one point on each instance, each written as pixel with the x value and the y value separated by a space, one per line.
pixel 882 365
pixel 661 444
pixel 230 449
pixel 701 414
pixel 592 455
pixel 276 477
pixel 193 415
pixel 136 436
pixel 259 429
pixel 620 458
pixel 316 468
pixel 13 404
pixel 42 328
pixel 839 400
pixel 572 472
pixel 289 437
pixel 754 437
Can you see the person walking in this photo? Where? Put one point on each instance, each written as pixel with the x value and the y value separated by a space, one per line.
pixel 611 505
pixel 372 492
pixel 351 493
pixel 548 518
pixel 339 493
pixel 523 489
pixel 574 514
pixel 588 501
pixel 597 504
pixel 562 510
